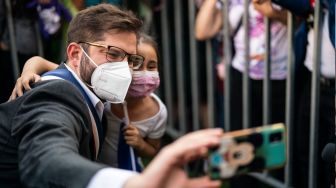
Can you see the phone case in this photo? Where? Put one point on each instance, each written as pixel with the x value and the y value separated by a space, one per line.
pixel 248 150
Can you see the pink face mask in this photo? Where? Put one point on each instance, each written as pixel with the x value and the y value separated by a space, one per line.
pixel 143 83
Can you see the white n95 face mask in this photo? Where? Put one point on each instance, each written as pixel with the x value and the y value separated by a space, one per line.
pixel 110 81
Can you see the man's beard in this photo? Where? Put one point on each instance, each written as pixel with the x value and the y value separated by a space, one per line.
pixel 86 70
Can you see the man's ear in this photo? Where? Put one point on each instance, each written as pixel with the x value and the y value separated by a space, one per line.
pixel 74 52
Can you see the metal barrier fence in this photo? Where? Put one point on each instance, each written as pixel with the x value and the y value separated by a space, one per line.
pixel 182 69
pixel 12 40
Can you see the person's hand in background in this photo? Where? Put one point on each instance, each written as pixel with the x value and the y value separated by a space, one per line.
pixel 264 7
pixel 270 10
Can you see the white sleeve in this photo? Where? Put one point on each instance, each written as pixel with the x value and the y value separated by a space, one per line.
pixel 110 177
pixel 236 15
pixel 159 129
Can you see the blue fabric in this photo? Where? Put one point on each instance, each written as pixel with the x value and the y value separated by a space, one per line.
pixel 60 9
pixel 124 155
pixel 330 5
pixel 300 44
pixel 66 75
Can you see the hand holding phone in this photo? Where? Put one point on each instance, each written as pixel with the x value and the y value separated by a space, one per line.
pixel 248 150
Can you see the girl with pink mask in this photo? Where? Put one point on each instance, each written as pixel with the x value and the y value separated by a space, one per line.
pixel 147 115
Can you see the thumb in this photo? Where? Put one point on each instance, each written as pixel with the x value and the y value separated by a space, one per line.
pixel 37 78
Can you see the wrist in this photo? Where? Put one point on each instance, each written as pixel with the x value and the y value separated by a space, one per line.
pixel 141 146
pixel 169 155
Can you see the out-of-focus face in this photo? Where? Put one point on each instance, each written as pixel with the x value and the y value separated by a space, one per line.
pixel 146 78
pixel 151 58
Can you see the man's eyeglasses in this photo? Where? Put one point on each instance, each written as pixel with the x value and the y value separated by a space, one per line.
pixel 114 54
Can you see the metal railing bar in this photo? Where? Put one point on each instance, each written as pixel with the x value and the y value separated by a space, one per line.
pixel 246 80
pixel 267 81
pixel 180 66
pixel 166 65
pixel 227 51
pixel 290 99
pixel 13 48
pixel 193 67
pixel 315 95
pixel 210 84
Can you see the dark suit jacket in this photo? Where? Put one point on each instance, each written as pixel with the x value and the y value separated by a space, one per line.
pixel 45 138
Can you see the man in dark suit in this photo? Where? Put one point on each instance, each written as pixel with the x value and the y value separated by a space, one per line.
pixel 50 136
pixel 47 133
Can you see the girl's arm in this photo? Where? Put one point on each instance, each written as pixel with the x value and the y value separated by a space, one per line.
pixel 152 148
pixel 30 74
pixel 37 65
pixel 145 147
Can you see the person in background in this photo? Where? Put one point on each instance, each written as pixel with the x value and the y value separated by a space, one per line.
pixel 38 26
pixel 53 19
pixel 326 125
pixel 146 112
pixel 218 60
pixel 25 32
pixel 209 23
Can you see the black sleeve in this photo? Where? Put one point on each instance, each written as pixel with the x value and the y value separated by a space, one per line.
pixel 298 7
pixel 52 125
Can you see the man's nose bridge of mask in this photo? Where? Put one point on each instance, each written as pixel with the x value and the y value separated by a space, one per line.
pixel 143 66
pixel 130 64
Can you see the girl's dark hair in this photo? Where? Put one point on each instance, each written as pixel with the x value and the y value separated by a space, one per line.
pixel 146 39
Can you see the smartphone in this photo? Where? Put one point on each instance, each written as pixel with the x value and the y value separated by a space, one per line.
pixel 248 150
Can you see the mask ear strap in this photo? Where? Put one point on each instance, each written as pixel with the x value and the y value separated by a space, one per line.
pixel 87 84
pixel 88 56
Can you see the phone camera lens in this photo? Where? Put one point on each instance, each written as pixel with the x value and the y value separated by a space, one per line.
pixel 275 137
pixel 237 155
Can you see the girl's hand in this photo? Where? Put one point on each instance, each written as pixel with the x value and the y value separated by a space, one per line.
pixel 274 12
pixel 132 137
pixel 23 84
pixel 264 7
